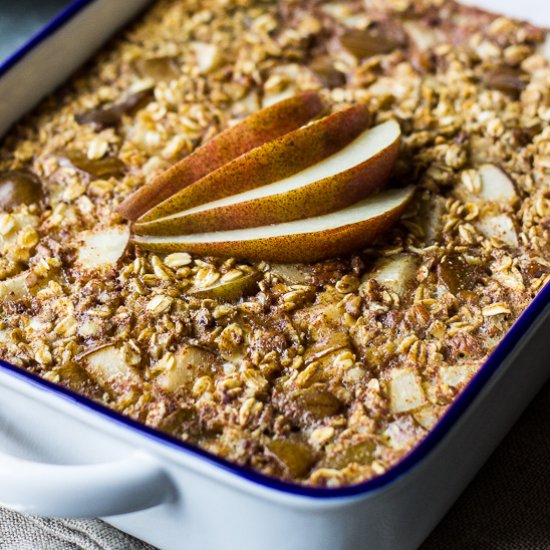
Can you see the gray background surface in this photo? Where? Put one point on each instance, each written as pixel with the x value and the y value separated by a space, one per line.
pixel 506 507
pixel 19 19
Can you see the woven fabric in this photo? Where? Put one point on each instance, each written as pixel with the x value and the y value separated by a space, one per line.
pixel 19 532
pixel 507 506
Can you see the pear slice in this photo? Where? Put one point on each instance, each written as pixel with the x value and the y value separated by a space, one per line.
pixel 299 241
pixel 257 129
pixel 271 162
pixel 356 171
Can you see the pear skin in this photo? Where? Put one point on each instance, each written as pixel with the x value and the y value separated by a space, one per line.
pixel 301 241
pixel 374 154
pixel 255 130
pixel 271 162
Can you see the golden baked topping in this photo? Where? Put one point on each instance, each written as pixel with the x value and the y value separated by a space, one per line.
pixel 111 115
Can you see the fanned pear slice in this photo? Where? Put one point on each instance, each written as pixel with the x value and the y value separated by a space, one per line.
pixel 300 241
pixel 271 162
pixel 255 130
pixel 346 177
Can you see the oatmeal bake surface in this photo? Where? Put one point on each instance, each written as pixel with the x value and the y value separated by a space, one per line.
pixel 324 374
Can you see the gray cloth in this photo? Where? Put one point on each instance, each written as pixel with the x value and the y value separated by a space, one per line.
pixel 507 506
pixel 19 532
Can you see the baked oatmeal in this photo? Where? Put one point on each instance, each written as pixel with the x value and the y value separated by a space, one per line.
pixel 324 374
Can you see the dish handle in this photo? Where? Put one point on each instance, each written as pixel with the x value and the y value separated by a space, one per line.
pixel 119 487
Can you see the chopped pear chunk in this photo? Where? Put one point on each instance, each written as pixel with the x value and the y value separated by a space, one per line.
pixel 103 247
pixel 406 393
pixel 500 227
pixel 230 291
pixel 489 184
pixel 188 365
pixel 395 273
pixel 14 288
pixel 108 366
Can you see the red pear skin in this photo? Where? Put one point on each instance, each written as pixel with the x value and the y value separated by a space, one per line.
pixel 255 130
pixel 269 163
pixel 294 248
pixel 317 198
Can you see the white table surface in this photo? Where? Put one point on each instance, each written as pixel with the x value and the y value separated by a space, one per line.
pixel 536 11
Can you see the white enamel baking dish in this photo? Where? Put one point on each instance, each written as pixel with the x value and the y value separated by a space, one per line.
pixel 63 455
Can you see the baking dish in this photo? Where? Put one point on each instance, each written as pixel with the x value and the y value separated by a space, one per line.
pixel 111 466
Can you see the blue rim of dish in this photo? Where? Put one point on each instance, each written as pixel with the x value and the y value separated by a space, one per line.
pixel 421 451
pixel 55 24
pixel 442 428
